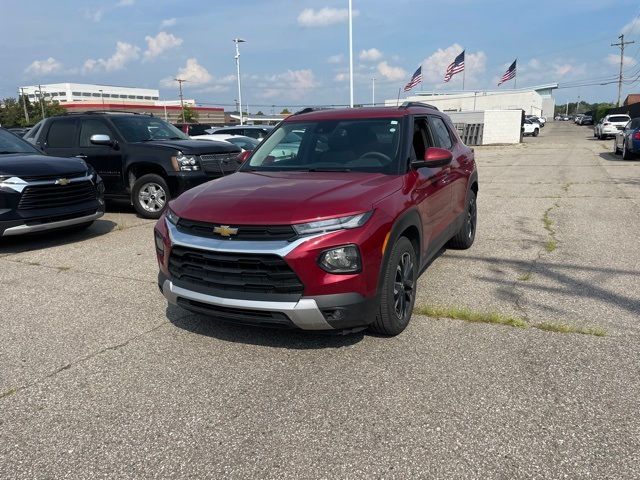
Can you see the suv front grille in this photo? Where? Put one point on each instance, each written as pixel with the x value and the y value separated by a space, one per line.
pixel 219 163
pixel 245 232
pixel 53 196
pixel 239 272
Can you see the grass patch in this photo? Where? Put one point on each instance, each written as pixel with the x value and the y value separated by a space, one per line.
pixel 63 269
pixel 547 222
pixel 564 328
pixel 468 315
pixel 525 277
pixel 11 391
pixel 550 245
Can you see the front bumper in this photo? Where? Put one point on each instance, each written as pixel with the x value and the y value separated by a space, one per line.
pixel 321 313
pixel 18 228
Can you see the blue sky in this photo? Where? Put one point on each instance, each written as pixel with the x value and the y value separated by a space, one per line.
pixel 297 53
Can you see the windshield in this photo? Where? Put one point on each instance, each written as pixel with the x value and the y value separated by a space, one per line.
pixel 11 143
pixel 141 128
pixel 330 145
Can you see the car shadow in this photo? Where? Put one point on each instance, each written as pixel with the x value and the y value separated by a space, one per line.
pixel 54 238
pixel 612 157
pixel 254 335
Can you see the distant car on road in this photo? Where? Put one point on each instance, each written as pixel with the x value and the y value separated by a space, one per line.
pixel 610 125
pixel 586 120
pixel 39 193
pixel 627 140
pixel 530 128
pixel 254 131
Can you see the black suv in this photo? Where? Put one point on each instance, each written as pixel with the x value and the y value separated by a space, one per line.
pixel 139 157
pixel 40 193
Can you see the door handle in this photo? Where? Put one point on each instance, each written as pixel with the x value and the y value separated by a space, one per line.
pixel 83 157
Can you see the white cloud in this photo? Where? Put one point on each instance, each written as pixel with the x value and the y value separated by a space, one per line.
pixel 534 63
pixel 93 15
pixel 336 58
pixel 371 55
pixel 125 52
pixel 324 17
pixel 292 83
pixel 44 67
pixel 614 59
pixel 168 22
pixel 393 74
pixel 192 72
pixel 435 66
pixel 632 27
pixel 162 42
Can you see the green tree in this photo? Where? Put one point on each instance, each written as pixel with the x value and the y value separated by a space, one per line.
pixel 285 111
pixel 259 114
pixel 190 114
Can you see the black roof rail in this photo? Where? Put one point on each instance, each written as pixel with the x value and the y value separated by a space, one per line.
pixel 93 112
pixel 305 110
pixel 418 104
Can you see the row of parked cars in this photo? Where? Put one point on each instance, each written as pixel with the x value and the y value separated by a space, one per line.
pixel 532 124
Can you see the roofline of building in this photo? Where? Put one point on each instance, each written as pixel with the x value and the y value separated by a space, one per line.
pixel 83 83
pixel 534 88
pixel 146 106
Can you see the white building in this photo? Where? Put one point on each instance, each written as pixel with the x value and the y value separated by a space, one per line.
pixel 533 100
pixel 80 92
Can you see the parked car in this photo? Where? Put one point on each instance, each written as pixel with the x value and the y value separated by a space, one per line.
pixel 192 129
pixel 610 125
pixel 253 131
pixel 140 157
pixel 20 131
pixel 578 118
pixel 39 193
pixel 627 140
pixel 246 144
pixel 530 128
pixel 332 238
pixel 536 119
pixel 586 120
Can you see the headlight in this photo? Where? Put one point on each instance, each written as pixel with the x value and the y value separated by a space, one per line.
pixel 159 242
pixel 342 223
pixel 341 260
pixel 185 163
pixel 172 217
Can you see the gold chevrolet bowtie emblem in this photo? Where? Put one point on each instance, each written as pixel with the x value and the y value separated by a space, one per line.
pixel 63 181
pixel 225 230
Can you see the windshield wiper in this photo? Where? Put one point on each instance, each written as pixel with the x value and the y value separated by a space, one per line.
pixel 328 169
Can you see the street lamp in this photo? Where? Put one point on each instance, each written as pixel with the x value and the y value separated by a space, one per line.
pixel 237 41
pixel 350 54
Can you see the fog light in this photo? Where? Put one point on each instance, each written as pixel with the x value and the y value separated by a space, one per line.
pixel 159 242
pixel 341 260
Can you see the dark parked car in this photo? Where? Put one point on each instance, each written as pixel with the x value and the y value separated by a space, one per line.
pixel 194 128
pixel 627 140
pixel 140 157
pixel 20 131
pixel 329 233
pixel 40 193
pixel 586 120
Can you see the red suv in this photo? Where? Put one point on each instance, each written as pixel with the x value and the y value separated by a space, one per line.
pixel 327 225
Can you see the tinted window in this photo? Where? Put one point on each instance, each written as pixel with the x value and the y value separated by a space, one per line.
pixel 441 133
pixel 619 118
pixel 10 143
pixel 62 134
pixel 232 131
pixel 198 129
pixel 141 128
pixel 92 127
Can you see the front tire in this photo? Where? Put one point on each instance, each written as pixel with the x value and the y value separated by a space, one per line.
pixel 150 195
pixel 535 132
pixel 626 154
pixel 398 289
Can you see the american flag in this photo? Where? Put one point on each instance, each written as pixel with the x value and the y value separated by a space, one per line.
pixel 456 67
pixel 509 74
pixel 416 78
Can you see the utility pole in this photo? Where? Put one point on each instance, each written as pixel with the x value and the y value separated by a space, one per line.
pixel 238 41
pixel 180 82
pixel 40 95
pixel 24 105
pixel 621 44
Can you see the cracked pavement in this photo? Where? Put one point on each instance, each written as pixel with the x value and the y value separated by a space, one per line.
pixel 100 379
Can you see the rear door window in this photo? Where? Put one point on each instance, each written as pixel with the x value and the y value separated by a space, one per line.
pixel 62 133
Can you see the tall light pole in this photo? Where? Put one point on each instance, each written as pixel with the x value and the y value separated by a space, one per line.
pixel 350 54
pixel 41 101
pixel 24 105
pixel 180 82
pixel 373 91
pixel 237 41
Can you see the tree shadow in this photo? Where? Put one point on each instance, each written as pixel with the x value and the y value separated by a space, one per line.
pixel 54 238
pixel 257 335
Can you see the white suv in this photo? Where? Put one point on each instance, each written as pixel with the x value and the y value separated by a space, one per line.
pixel 610 125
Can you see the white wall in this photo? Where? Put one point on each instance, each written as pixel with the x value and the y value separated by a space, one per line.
pixel 501 126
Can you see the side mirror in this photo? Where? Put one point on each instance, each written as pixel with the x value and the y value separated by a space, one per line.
pixel 434 157
pixel 100 139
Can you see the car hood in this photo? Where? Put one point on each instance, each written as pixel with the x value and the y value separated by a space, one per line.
pixel 27 165
pixel 196 147
pixel 278 198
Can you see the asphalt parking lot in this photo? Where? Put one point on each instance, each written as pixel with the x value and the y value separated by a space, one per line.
pixel 99 379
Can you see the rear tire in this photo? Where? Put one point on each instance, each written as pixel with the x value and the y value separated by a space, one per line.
pixel 626 154
pixel 535 132
pixel 398 293
pixel 467 233
pixel 150 195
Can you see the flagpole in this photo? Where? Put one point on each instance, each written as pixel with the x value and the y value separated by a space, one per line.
pixel 515 75
pixel 398 102
pixel 464 70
